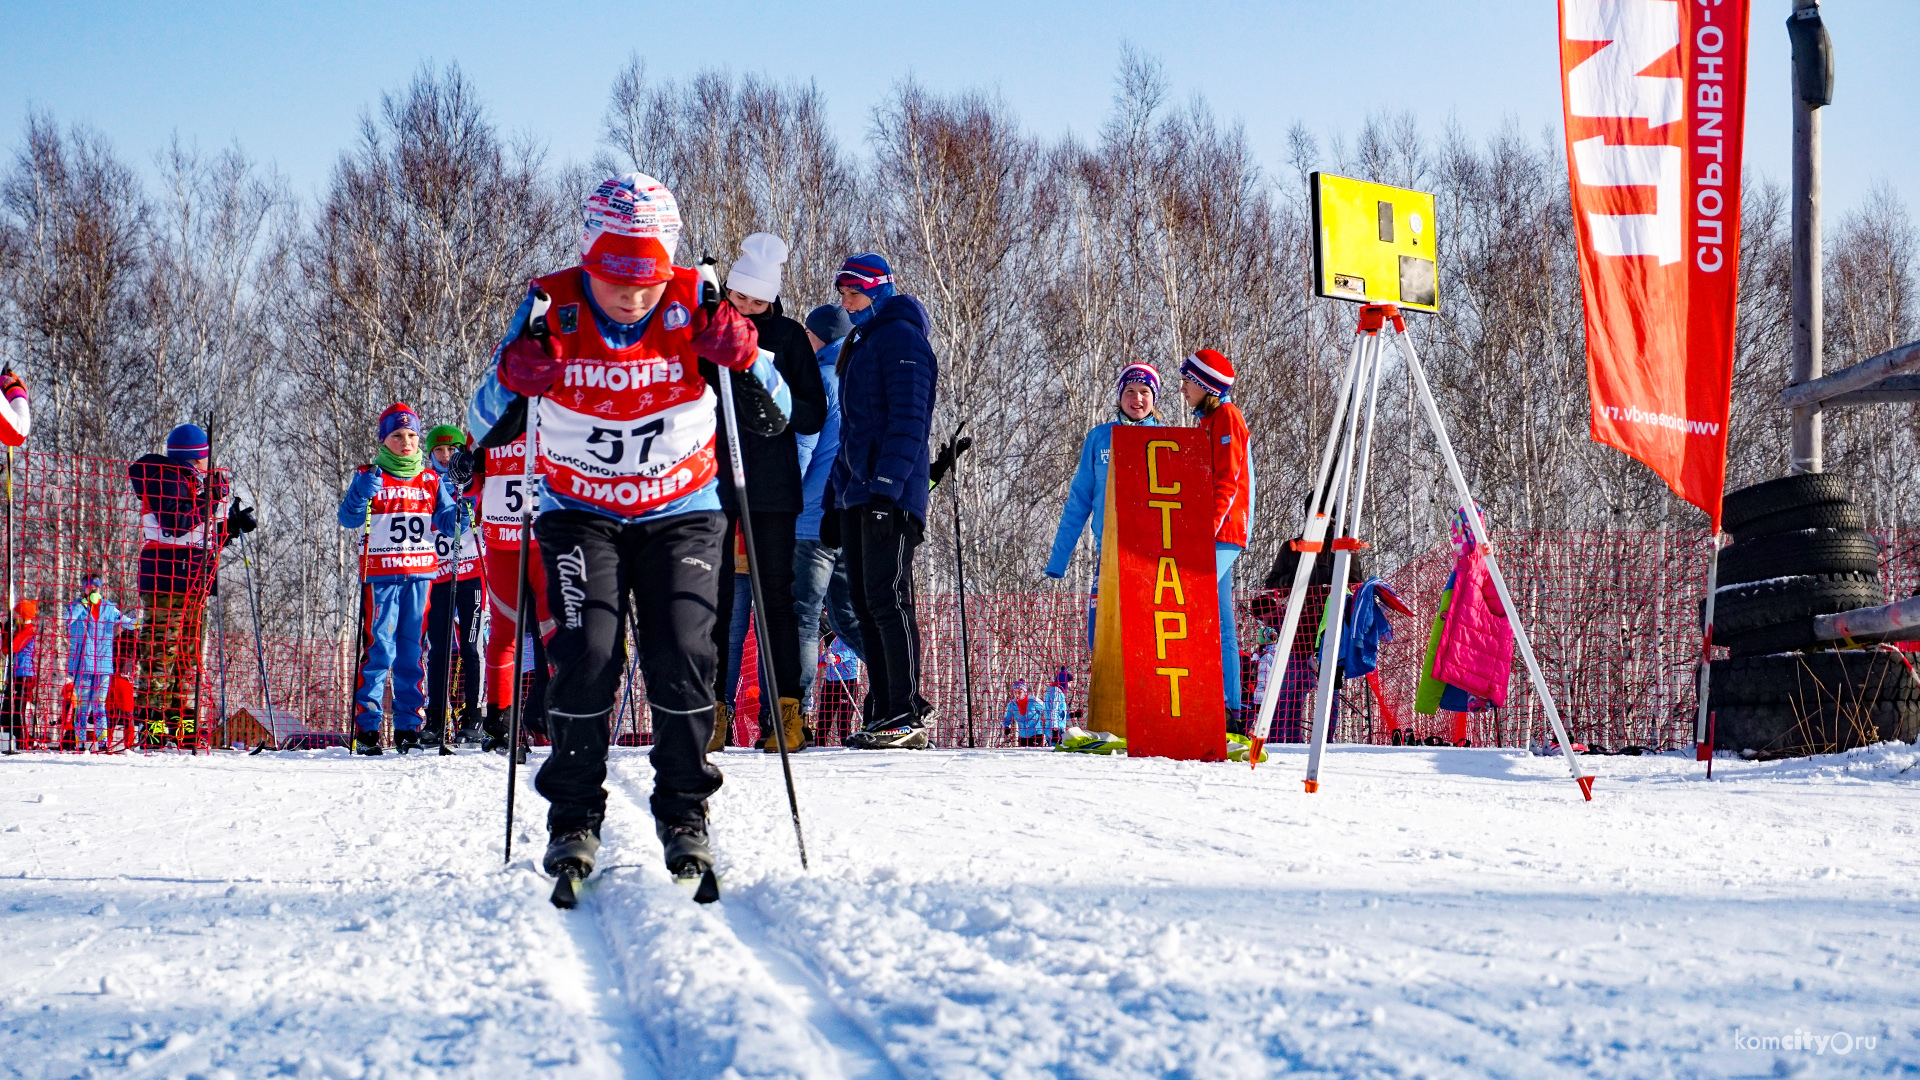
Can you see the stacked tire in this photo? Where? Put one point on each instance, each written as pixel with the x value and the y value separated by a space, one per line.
pixel 1800 549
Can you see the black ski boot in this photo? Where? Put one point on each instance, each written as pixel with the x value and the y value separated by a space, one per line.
pixel 900 733
pixel 687 851
pixel 689 858
pixel 367 743
pixel 405 739
pixel 494 736
pixel 570 856
pixel 470 732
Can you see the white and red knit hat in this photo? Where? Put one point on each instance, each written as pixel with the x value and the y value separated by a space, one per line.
pixel 631 228
pixel 1144 374
pixel 1211 370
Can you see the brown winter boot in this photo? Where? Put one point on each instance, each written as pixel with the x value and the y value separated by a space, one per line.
pixel 721 722
pixel 795 731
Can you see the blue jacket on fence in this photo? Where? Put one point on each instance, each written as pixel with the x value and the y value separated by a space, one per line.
pixel 90 632
pixel 889 379
pixel 817 452
pixel 1087 498
pixel 1360 638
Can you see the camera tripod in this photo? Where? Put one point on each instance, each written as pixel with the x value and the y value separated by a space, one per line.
pixel 1339 493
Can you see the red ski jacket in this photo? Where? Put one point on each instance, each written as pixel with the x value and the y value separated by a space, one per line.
pixel 1232 474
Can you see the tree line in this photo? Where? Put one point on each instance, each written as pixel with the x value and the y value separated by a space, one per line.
pixel 211 293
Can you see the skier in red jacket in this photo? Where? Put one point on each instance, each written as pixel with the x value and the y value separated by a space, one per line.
pixel 629 519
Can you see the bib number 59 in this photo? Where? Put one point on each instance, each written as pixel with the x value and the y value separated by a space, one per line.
pixel 408 529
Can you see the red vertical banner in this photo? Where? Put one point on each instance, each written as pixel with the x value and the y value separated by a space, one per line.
pixel 1655 96
pixel 1156 670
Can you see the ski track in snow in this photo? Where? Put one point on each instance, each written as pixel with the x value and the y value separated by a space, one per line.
pixel 1432 912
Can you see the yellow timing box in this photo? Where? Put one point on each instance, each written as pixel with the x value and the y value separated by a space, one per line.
pixel 1373 243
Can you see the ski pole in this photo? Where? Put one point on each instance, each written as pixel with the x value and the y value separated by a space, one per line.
pixel 959 446
pixel 769 688
pixel 198 630
pixel 259 638
pixel 13 707
pixel 523 588
pixel 360 622
pixel 453 626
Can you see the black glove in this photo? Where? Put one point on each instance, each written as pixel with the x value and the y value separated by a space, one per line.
pixel 241 521
pixel 830 529
pixel 949 455
pixel 460 469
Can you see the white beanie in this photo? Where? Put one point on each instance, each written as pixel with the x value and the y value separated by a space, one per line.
pixel 756 272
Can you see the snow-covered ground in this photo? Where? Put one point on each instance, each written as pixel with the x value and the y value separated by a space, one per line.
pixel 1431 912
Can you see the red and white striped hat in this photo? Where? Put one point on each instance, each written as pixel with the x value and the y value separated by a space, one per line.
pixel 1211 370
pixel 631 227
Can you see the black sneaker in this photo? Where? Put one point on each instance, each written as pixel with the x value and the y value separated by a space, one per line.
pixel 687 852
pixel 572 851
pixel 891 735
pixel 405 739
pixel 367 743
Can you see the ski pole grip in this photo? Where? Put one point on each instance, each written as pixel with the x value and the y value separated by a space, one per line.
pixel 537 317
pixel 709 284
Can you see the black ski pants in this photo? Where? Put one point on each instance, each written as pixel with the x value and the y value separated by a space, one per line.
pixel 663 575
pixel 466 598
pixel 773 558
pixel 878 546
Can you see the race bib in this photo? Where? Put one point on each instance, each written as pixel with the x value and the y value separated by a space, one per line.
pixel 628 466
pixel 401 534
pixel 504 498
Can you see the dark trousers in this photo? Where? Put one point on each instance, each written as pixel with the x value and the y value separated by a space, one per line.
pixel 465 598
pixel 19 693
pixel 662 574
pixel 878 549
pixel 773 558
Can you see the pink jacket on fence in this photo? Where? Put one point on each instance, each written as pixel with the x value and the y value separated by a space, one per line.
pixel 1476 645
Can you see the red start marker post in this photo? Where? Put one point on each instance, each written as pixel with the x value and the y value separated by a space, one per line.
pixel 1156 656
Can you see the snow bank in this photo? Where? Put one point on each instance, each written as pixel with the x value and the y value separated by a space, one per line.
pixel 1433 912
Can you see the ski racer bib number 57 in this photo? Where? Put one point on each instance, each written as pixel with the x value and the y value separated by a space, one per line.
pixel 628 466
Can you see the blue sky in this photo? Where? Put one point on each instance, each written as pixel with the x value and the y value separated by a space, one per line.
pixel 289 81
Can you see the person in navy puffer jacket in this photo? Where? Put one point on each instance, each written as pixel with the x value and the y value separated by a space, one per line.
pixel 888 382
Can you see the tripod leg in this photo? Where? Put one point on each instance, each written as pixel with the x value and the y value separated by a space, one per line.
pixel 1534 674
pixel 1354 462
pixel 1313 531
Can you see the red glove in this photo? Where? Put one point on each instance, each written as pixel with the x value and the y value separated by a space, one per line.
pixel 526 368
pixel 728 339
pixel 11 386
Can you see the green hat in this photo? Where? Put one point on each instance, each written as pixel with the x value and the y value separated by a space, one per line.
pixel 446 435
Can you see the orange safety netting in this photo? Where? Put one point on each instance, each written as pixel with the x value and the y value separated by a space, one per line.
pixel 163 658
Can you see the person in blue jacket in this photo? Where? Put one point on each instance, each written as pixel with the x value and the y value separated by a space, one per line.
pixel 889 381
pixel 1138 386
pixel 407 505
pixel 1054 705
pixel 92 623
pixel 819 575
pixel 1025 719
